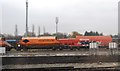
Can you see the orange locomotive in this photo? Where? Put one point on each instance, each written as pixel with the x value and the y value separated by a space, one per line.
pixel 38 43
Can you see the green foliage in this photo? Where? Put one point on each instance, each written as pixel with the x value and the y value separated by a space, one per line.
pixel 60 35
pixel 74 34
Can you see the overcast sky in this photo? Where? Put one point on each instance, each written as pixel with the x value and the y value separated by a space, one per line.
pixel 74 15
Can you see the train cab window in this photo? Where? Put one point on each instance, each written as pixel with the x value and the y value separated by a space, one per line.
pixel 82 42
pixel 94 41
pixel 87 42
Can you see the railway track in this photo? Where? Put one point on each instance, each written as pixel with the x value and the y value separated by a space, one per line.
pixel 67 69
pixel 63 52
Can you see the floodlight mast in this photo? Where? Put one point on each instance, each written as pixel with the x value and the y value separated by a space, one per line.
pixel 26 18
pixel 56 20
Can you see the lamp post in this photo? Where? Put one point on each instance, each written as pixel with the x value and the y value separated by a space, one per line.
pixel 56 21
pixel 26 17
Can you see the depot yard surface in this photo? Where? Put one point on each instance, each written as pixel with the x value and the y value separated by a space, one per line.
pixel 41 52
pixel 75 59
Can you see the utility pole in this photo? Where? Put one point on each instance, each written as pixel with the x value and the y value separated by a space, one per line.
pixel 26 18
pixel 16 30
pixel 56 21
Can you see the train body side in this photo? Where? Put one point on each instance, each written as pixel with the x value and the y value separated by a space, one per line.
pixel 39 42
pixel 102 40
pixel 70 43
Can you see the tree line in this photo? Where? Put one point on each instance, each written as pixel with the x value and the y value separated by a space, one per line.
pixel 64 35
pixel 92 33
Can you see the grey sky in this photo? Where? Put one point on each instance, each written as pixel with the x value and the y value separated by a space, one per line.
pixel 74 15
